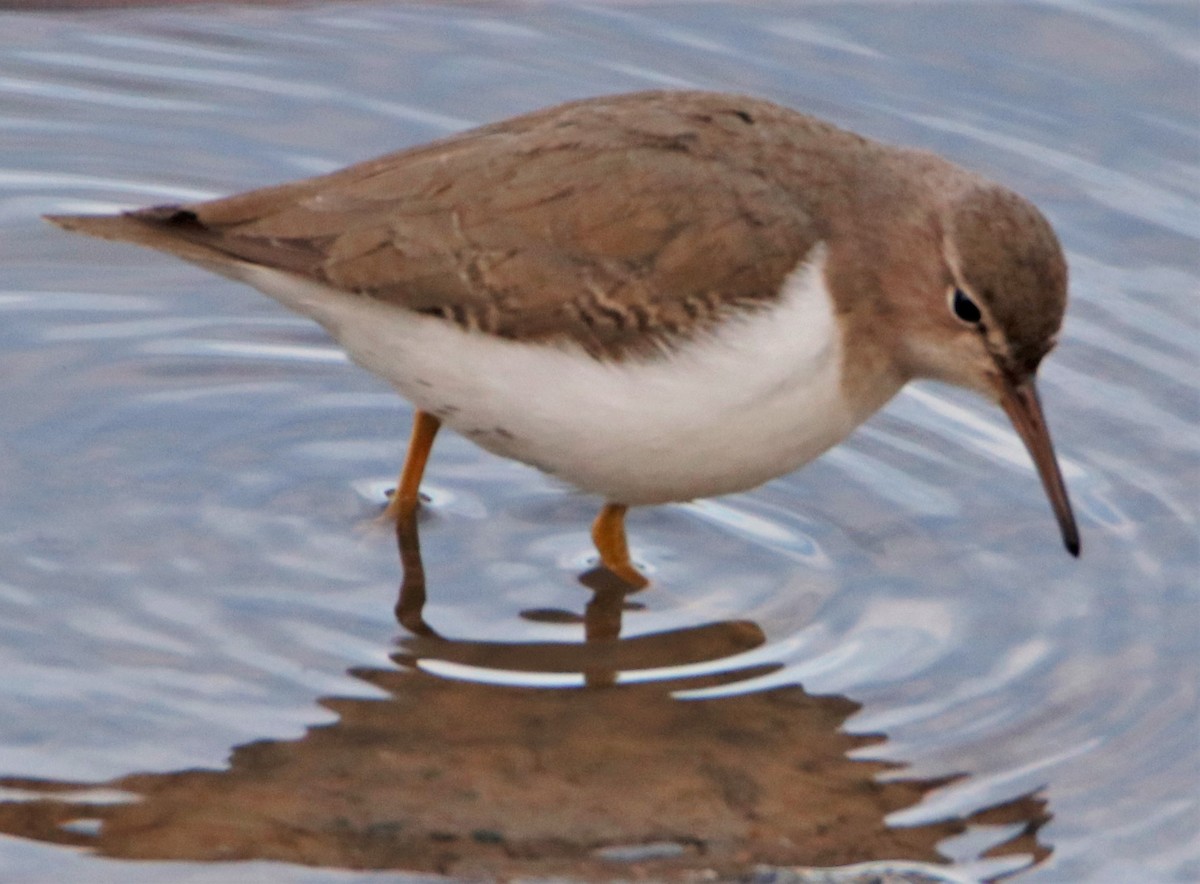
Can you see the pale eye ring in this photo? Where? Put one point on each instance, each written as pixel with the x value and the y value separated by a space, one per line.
pixel 964 308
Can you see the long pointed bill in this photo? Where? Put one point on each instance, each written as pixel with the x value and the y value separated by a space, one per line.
pixel 1024 409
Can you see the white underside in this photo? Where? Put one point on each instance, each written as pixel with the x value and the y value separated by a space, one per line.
pixel 727 411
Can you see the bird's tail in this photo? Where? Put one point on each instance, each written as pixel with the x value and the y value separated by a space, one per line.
pixel 166 228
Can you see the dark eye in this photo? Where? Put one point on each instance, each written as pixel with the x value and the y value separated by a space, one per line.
pixel 964 308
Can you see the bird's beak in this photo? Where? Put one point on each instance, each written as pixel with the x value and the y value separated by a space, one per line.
pixel 1020 401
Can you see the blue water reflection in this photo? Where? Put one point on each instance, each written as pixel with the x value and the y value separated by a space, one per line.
pixel 188 561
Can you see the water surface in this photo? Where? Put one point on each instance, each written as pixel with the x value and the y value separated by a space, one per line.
pixel 886 656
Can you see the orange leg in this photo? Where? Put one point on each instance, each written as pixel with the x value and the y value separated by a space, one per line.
pixel 608 533
pixel 405 498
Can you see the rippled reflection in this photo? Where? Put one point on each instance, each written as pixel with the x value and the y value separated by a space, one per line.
pixel 184 466
pixel 453 770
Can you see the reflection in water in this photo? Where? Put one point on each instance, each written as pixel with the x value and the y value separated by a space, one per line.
pixel 202 579
pixel 461 776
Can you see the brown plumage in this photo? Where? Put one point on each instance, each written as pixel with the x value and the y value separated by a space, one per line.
pixel 614 223
pixel 631 226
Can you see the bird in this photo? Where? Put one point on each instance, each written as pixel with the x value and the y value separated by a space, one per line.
pixel 652 297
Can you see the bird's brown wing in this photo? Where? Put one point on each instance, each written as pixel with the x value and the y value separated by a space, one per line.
pixel 618 224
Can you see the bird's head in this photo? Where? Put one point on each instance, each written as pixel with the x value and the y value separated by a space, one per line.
pixel 996 315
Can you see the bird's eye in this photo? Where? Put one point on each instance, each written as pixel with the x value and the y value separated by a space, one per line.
pixel 964 308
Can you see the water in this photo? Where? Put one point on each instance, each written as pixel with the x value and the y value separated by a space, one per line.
pixel 887 655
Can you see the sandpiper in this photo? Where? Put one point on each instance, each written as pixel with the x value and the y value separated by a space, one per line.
pixel 653 297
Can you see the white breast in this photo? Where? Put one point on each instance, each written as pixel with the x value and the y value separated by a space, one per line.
pixel 756 398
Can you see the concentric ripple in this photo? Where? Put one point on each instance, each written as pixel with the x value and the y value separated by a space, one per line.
pixel 885 658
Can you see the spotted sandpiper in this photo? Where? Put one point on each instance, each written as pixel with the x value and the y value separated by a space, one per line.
pixel 653 297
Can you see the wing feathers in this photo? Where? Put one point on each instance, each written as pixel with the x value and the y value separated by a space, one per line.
pixel 615 224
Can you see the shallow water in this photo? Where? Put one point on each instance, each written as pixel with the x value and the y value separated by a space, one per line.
pixel 196 608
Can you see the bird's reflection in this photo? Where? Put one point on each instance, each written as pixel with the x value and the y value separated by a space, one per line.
pixel 618 777
pixel 598 659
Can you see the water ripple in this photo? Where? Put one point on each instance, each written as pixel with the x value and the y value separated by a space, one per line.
pixel 192 562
